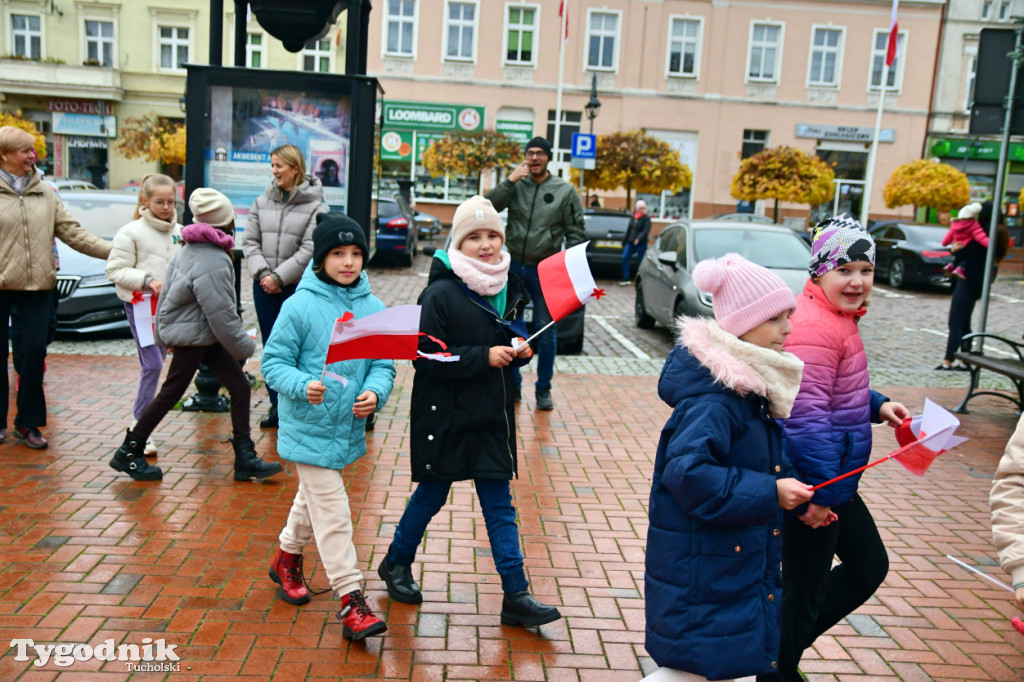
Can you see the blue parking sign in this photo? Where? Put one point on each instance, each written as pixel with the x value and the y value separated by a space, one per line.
pixel 584 146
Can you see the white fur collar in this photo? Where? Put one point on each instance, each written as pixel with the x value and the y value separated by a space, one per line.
pixel 741 366
pixel 482 278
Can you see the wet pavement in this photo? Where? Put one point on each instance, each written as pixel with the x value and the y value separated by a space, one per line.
pixel 88 555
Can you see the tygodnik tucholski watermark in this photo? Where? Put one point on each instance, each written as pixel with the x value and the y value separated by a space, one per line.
pixel 150 656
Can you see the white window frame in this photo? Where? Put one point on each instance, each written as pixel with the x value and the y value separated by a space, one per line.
pixel 777 67
pixel 318 53
pixel 1004 11
pixel 415 20
pixel 474 26
pixel 617 40
pixel 986 9
pixel 85 39
pixel 839 50
pixel 42 32
pixel 168 18
pixel 534 29
pixel 251 49
pixel 672 18
pixel 902 40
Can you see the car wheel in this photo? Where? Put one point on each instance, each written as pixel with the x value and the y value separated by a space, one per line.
pixel 897 273
pixel 679 310
pixel 642 319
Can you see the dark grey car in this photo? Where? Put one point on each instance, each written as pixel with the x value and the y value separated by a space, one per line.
pixel 664 286
pixel 87 301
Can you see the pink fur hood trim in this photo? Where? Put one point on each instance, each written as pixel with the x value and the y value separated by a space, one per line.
pixel 726 369
pixel 201 232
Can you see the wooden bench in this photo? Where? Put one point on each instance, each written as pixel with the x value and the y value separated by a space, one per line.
pixel 1010 367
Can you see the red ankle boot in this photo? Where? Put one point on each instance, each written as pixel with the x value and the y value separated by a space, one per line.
pixel 358 619
pixel 286 571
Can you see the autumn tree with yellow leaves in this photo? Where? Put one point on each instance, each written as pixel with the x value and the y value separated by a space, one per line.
pixel 637 162
pixel 27 126
pixel 784 174
pixel 153 138
pixel 470 153
pixel 929 184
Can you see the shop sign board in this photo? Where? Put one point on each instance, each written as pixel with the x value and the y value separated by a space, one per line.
pixel 80 106
pixel 520 131
pixel 396 145
pixel 84 124
pixel 82 142
pixel 844 133
pixel 433 116
pixel 988 150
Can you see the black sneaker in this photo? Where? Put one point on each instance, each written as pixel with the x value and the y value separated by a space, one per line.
pixel 544 400
pixel 269 420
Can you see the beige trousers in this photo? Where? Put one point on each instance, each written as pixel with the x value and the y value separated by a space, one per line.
pixel 321 511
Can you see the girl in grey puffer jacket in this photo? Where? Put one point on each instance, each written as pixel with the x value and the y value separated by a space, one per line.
pixel 197 317
pixel 278 241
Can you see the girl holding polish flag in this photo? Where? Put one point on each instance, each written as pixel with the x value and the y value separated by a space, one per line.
pixel 463 413
pixel 322 426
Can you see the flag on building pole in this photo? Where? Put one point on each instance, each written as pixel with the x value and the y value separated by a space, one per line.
pixel 890 59
pixel 563 12
pixel 391 334
pixel 565 21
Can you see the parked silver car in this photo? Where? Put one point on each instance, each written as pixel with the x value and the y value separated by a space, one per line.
pixel 664 285
pixel 87 302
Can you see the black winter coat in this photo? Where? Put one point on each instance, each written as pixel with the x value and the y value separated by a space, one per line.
pixel 463 417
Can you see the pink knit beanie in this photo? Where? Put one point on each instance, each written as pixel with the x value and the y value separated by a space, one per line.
pixel 743 294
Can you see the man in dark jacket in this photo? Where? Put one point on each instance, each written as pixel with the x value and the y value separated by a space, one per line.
pixel 544 216
pixel 635 240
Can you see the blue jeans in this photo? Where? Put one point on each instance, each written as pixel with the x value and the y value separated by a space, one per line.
pixel 546 343
pixel 627 251
pixel 268 307
pixel 499 515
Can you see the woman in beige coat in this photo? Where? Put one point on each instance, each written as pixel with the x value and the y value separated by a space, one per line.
pixel 278 241
pixel 1007 500
pixel 31 216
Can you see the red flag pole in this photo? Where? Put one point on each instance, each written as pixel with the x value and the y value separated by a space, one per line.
pixel 895 453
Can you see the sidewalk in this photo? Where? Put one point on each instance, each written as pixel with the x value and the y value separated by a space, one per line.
pixel 86 554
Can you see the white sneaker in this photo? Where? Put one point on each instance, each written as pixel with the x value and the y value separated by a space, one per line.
pixel 625 283
pixel 150 449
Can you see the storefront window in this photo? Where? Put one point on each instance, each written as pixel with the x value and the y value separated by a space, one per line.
pixel 667 206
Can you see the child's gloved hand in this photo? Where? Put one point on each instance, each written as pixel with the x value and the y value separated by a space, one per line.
pixel 522 348
pixel 792 493
pixel 315 392
pixel 366 403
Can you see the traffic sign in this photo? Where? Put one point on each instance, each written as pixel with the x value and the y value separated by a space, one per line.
pixel 584 146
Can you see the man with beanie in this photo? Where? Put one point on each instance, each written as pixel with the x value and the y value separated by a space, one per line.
pixel 544 216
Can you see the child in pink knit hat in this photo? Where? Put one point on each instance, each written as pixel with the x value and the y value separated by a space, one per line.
pixel 713 588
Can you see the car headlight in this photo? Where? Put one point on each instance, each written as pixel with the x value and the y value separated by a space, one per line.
pixel 94 281
pixel 704 297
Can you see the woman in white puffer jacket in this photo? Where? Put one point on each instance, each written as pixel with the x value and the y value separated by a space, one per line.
pixel 137 265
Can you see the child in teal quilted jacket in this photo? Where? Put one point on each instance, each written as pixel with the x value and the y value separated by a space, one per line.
pixel 323 426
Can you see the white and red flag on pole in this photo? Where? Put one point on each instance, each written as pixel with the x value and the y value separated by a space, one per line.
pixel 566 281
pixel 391 334
pixel 894 31
pixel 565 20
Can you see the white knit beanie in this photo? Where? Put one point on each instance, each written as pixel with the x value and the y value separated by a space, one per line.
pixel 971 210
pixel 211 207
pixel 743 294
pixel 476 213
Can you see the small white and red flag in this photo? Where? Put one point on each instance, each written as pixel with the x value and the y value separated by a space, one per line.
pixel 567 282
pixel 565 21
pixel 144 313
pixel 894 30
pixel 391 334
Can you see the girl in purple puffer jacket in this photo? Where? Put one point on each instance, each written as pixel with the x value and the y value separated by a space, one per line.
pixel 828 433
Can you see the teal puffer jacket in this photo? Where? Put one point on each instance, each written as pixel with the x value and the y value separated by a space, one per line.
pixel 327 435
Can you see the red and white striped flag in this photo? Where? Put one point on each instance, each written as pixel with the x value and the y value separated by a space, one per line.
pixel 894 30
pixel 565 20
pixel 391 334
pixel 566 281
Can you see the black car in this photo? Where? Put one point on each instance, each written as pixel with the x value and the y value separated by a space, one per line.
pixel 396 229
pixel 606 230
pixel 87 302
pixel 910 253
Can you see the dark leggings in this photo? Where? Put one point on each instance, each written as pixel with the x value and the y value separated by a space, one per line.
pixel 816 596
pixel 961 308
pixel 184 363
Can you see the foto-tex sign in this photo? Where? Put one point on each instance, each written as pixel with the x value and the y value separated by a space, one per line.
pixel 429 116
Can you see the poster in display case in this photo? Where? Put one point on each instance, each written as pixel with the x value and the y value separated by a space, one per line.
pixel 237 116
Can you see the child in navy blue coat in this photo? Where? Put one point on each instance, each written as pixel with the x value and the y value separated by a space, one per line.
pixel 713 583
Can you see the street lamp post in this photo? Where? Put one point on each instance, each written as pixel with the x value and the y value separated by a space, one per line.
pixel 593 107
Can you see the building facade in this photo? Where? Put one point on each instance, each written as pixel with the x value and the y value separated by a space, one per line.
pixel 719 80
pixel 79 69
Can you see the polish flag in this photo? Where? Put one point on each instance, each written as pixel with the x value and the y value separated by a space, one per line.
pixel 391 334
pixel 144 312
pixel 561 12
pixel 566 281
pixel 894 30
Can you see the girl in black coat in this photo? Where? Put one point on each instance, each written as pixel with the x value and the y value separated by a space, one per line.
pixel 463 413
